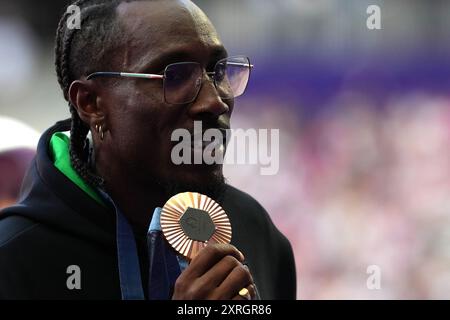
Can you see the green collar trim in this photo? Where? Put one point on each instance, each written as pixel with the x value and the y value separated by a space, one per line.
pixel 59 149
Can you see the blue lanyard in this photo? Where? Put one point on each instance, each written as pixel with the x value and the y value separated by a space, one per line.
pixel 127 256
pixel 128 260
pixel 164 265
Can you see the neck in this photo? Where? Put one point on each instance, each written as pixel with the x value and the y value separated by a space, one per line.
pixel 136 201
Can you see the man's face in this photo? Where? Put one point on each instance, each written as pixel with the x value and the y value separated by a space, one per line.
pixel 140 123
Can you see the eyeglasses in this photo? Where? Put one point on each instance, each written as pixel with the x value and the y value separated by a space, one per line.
pixel 182 80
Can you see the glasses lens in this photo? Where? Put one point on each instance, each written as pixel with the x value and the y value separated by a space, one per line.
pixel 182 82
pixel 231 76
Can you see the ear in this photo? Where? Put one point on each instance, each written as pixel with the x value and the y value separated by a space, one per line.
pixel 83 97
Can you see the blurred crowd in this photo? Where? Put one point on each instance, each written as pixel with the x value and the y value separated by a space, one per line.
pixel 17 148
pixel 359 186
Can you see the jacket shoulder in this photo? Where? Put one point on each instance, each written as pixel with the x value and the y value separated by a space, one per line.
pixel 259 237
pixel 239 201
pixel 12 227
pixel 238 196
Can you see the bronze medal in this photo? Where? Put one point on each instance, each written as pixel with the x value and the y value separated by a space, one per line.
pixel 189 221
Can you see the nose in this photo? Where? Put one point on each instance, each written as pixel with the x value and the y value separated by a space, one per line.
pixel 208 101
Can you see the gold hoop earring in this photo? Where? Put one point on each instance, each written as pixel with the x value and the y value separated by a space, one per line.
pixel 99 129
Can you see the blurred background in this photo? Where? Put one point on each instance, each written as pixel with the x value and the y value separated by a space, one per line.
pixel 364 120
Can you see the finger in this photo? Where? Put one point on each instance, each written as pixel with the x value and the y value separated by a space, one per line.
pixel 208 257
pixel 252 290
pixel 251 287
pixel 239 278
pixel 219 272
pixel 204 286
pixel 189 286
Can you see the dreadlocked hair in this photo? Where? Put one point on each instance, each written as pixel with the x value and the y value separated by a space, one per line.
pixel 79 52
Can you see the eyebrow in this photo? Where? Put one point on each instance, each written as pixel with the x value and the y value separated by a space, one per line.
pixel 179 55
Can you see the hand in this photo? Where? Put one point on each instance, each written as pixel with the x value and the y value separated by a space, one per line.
pixel 216 273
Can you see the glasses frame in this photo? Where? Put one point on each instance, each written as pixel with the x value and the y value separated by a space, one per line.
pixel 151 76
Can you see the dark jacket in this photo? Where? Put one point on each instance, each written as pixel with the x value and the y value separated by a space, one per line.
pixel 56 225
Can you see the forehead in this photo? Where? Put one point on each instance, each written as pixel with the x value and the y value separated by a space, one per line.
pixel 157 29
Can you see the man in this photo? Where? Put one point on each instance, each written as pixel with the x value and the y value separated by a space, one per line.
pixel 133 73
